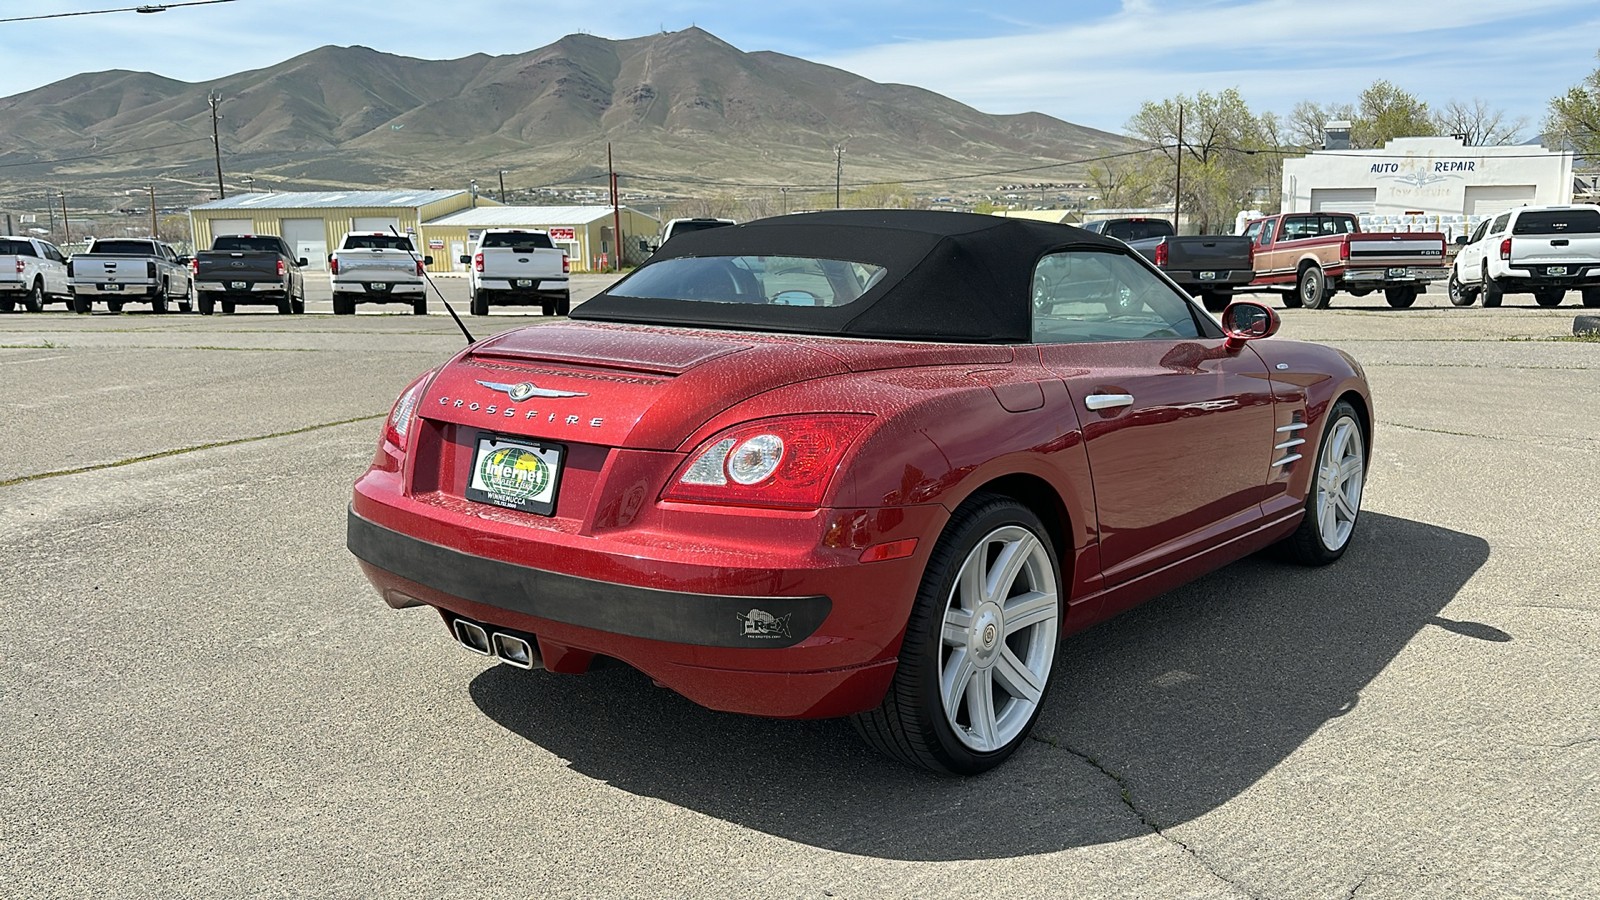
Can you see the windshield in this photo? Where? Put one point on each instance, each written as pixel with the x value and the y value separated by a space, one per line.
pixel 1558 221
pixel 773 280
pixel 1137 229
pixel 240 242
pixel 128 248
pixel 530 239
pixel 377 242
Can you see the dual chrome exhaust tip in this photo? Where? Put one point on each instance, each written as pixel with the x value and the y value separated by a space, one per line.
pixel 510 649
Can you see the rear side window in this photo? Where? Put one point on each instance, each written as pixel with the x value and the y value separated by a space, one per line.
pixel 237 242
pixel 1086 296
pixel 1338 225
pixel 531 239
pixel 16 248
pixel 378 242
pixel 774 280
pixel 1558 221
pixel 1500 223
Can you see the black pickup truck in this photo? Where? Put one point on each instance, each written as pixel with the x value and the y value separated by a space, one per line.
pixel 249 269
pixel 1209 267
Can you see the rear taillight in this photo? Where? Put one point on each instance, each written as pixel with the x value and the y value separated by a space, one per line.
pixel 333 265
pixel 19 265
pixel 194 266
pixel 150 268
pixel 1344 249
pixel 779 462
pixel 566 264
pixel 397 428
pixel 282 270
pixel 419 268
pixel 477 262
pixel 1161 254
pixel 1505 249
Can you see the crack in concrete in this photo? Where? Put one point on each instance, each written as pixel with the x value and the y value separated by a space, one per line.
pixel 1126 794
pixel 178 451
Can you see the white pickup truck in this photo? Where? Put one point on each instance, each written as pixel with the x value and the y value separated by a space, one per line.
pixel 513 266
pixel 32 273
pixel 377 267
pixel 1540 250
pixel 124 270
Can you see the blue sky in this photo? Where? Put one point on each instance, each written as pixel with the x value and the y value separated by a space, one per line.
pixel 1088 61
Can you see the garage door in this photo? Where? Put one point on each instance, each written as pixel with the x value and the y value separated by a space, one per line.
pixel 373 223
pixel 309 238
pixel 232 226
pixel 1494 199
pixel 1359 201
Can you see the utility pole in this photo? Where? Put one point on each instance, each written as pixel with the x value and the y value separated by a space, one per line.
pixel 153 232
pixel 66 225
pixel 1177 186
pixel 215 99
pixel 616 211
pixel 838 173
pixel 50 206
pixel 502 185
pixel 785 192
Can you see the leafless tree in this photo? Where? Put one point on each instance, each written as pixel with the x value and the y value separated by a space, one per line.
pixel 1478 124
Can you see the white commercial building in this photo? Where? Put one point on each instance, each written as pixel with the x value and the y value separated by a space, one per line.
pixel 1437 182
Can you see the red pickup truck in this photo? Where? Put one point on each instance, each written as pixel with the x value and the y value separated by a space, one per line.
pixel 1310 256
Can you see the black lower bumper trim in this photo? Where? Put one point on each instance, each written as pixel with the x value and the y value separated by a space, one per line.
pixel 707 620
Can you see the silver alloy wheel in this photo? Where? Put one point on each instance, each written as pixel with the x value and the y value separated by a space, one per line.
pixel 1001 625
pixel 1341 472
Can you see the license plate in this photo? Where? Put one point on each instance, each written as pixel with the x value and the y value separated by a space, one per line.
pixel 1400 272
pixel 1556 270
pixel 110 287
pixel 524 282
pixel 515 473
pixel 379 286
pixel 1208 276
pixel 239 285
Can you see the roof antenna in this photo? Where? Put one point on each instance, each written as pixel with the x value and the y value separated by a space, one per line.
pixel 448 308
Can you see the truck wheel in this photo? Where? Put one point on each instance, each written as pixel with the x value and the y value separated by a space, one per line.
pixel 286 306
pixel 1291 299
pixel 298 304
pixel 1313 288
pixel 81 305
pixel 479 304
pixel 34 302
pixel 1492 295
pixel 7 306
pixel 114 305
pixel 1459 295
pixel 343 306
pixel 547 308
pixel 1547 299
pixel 207 306
pixel 419 306
pixel 1400 297
pixel 158 301
pixel 228 307
pixel 186 302
pixel 1591 298
pixel 564 305
pixel 1213 301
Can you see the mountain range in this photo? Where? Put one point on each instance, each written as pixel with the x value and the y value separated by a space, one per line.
pixel 684 112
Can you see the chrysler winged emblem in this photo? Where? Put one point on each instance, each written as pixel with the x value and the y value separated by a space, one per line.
pixel 527 390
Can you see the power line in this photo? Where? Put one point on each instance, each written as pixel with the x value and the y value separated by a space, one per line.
pixel 48 162
pixel 146 8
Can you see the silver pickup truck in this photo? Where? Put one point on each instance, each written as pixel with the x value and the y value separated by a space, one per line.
pixel 124 270
pixel 377 267
pixel 516 266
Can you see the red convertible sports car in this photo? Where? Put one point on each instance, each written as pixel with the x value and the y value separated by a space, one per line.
pixel 862 463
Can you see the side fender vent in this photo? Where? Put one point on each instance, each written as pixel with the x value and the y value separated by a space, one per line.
pixel 1288 438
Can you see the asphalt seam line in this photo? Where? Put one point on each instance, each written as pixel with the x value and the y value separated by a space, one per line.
pixel 179 451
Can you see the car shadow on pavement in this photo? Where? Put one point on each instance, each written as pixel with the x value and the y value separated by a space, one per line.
pixel 1155 717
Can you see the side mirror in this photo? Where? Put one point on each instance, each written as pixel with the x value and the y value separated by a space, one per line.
pixel 1247 320
pixel 464 259
pixel 301 262
pixel 427 260
pixel 1461 240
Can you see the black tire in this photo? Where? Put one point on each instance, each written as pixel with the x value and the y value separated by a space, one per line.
pixel 82 305
pixel 286 306
pixel 158 301
pixel 298 305
pixel 1591 298
pixel 547 309
pixel 419 306
pixel 1291 300
pixel 1492 295
pixel 1312 287
pixel 7 305
pixel 1459 294
pixel 207 306
pixel 1400 297
pixel 34 302
pixel 228 307
pixel 114 305
pixel 1310 544
pixel 1549 298
pixel 343 306
pixel 479 304
pixel 564 304
pixel 911 724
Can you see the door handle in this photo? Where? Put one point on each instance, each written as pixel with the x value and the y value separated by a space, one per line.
pixel 1107 401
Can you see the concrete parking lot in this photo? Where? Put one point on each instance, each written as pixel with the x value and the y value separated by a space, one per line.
pixel 202 696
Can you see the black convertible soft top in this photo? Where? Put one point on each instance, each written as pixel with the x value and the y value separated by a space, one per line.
pixel 956 277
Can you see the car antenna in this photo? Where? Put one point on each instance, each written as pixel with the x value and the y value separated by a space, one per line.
pixel 448 308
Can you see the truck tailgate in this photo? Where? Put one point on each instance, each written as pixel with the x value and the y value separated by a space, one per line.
pixel 1220 253
pixel 1420 248
pixel 518 263
pixel 241 265
pixel 1544 250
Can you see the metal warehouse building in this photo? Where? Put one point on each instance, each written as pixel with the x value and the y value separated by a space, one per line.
pixel 314 222
pixel 585 232
pixel 1437 180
